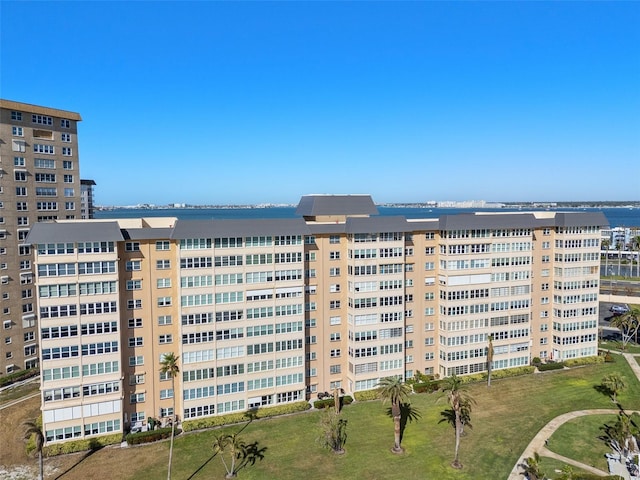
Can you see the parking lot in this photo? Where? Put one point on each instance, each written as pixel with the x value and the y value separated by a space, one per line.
pixel 605 321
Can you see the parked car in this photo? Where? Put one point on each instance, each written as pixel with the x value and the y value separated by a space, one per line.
pixel 619 309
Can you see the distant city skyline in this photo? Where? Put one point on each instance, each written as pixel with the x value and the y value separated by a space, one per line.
pixel 218 103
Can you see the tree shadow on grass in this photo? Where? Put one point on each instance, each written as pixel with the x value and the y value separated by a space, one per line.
pixel 201 467
pixel 94 446
pixel 603 390
pixel 252 453
pixel 408 414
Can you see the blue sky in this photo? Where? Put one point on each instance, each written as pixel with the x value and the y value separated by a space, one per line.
pixel 252 102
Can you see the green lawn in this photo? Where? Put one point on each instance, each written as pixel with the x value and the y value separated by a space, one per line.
pixel 505 419
pixel 578 439
pixel 552 467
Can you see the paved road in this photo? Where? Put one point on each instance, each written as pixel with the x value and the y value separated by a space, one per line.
pixel 539 441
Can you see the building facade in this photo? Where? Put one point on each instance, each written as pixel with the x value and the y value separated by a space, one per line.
pixel 264 312
pixel 86 199
pixel 39 181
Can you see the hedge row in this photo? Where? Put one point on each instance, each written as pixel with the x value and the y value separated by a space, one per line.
pixel 150 436
pixel 329 402
pixel 366 395
pixel 550 366
pixel 81 445
pixel 264 412
pixel 18 376
pixel 584 361
pixel 427 387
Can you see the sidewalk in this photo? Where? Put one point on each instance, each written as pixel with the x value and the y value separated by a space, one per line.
pixel 538 442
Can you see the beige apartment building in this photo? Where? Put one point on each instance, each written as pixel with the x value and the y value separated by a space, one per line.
pixel 265 312
pixel 39 181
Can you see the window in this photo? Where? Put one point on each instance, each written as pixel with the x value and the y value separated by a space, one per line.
pixel 164 301
pixel 128 246
pixel 136 341
pixel 64 123
pixel 67 164
pixel 164 283
pixel 65 137
pixel 133 265
pixel 46 149
pixel 134 304
pixel 164 320
pixel 166 338
pixel 334 272
pixel 134 284
pixel 67 151
pixel 16 116
pixel 163 264
pixel 137 398
pixel 135 323
pixel 136 361
pixel 162 245
pixel 69 192
pixel 17 132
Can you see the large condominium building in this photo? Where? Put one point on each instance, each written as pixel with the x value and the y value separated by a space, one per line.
pixel 264 312
pixel 39 181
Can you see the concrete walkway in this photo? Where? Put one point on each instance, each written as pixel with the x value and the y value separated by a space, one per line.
pixel 538 444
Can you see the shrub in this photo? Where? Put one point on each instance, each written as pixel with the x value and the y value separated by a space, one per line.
pixel 150 436
pixel 81 445
pixel 264 412
pixel 536 361
pixel 366 395
pixel 428 387
pixel 329 402
pixel 18 376
pixel 584 361
pixel 512 372
pixel 550 366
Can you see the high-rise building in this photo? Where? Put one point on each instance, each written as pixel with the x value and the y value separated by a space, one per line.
pixel 39 181
pixel 86 198
pixel 264 312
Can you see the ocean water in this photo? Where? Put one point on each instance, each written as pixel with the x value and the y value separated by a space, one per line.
pixel 618 217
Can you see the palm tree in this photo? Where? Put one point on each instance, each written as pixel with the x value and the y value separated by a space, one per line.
pixel 395 391
pixel 32 429
pixel 615 383
pixel 449 416
pixel 628 324
pixel 234 447
pixel 489 360
pixel 169 366
pixel 460 402
pixel 606 243
pixel 635 245
pixel 622 435
pixel 532 468
pixel 568 473
pixel 619 247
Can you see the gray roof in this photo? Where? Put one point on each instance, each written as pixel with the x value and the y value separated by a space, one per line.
pixel 146 233
pixel 471 221
pixel 364 225
pixel 53 232
pixel 580 219
pixel 314 205
pixel 377 225
pixel 238 228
